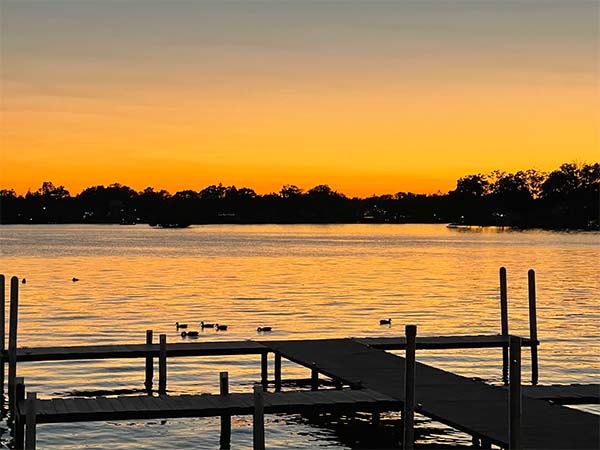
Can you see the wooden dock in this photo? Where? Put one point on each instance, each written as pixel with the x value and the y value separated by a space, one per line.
pixel 462 403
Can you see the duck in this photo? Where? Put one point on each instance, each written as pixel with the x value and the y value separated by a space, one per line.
pixel 385 322
pixel 23 281
pixel 189 334
pixel 263 329
pixel 206 325
pixel 221 327
pixel 74 279
pixel 180 325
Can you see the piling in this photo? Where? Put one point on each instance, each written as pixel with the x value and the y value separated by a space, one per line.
pixel 533 326
pixel 19 423
pixel 12 341
pixel 162 365
pixel 258 428
pixel 225 439
pixel 149 365
pixel 314 379
pixel 504 322
pixel 409 388
pixel 277 370
pixel 264 369
pixel 30 421
pixel 514 429
pixel 2 335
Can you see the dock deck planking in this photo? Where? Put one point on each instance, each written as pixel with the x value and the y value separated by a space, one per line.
pixel 465 404
pixel 570 394
pixel 248 347
pixel 203 405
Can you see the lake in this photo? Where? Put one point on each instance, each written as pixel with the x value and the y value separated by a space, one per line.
pixel 305 281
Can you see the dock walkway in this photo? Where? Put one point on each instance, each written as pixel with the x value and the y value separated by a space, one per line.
pixel 465 404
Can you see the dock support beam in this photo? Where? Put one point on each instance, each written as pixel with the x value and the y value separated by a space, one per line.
pixel 533 327
pixel 258 426
pixel 408 416
pixel 264 369
pixel 225 439
pixel 514 429
pixel 504 322
pixel 149 365
pixel 12 341
pixel 277 371
pixel 19 422
pixel 2 331
pixel 162 365
pixel 30 421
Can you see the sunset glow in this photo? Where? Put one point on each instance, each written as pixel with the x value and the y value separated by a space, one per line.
pixel 367 97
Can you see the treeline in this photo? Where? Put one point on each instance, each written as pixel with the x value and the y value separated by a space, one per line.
pixel 567 198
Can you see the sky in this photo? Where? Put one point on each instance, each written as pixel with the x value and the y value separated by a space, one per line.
pixel 369 97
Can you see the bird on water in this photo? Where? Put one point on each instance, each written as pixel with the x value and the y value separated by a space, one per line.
pixel 385 322
pixel 206 325
pixel 221 327
pixel 263 329
pixel 23 281
pixel 189 334
pixel 180 325
pixel 74 279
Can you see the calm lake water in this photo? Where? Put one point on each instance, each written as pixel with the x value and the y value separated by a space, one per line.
pixel 303 280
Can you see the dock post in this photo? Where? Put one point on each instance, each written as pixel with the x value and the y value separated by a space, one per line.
pixel 277 371
pixel 533 326
pixel 149 365
pixel 19 422
pixel 258 428
pixel 504 322
pixel 314 378
pixel 162 365
pixel 2 336
pixel 30 421
pixel 409 388
pixel 12 341
pixel 225 439
pixel 264 369
pixel 514 429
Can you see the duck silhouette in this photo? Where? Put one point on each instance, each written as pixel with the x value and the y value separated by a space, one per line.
pixel 189 334
pixel 23 281
pixel 221 327
pixel 74 279
pixel 206 325
pixel 263 329
pixel 385 322
pixel 180 325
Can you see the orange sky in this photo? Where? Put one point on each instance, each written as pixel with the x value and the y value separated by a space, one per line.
pixel 375 98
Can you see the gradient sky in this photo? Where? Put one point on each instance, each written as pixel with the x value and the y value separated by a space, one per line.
pixel 368 97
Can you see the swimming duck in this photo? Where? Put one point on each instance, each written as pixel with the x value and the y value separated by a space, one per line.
pixel 206 325
pixel 74 279
pixel 189 334
pixel 385 322
pixel 221 327
pixel 263 329
pixel 23 281
pixel 180 325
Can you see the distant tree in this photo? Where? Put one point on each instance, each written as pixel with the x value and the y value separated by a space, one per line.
pixel 290 191
pixel 473 185
pixel 49 191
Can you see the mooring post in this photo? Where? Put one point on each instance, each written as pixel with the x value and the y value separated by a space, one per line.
pixel 162 365
pixel 264 369
pixel 409 388
pixel 30 421
pixel 258 428
pixel 314 378
pixel 504 322
pixel 149 365
pixel 12 341
pixel 2 336
pixel 277 370
pixel 533 327
pixel 514 396
pixel 19 422
pixel 225 439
